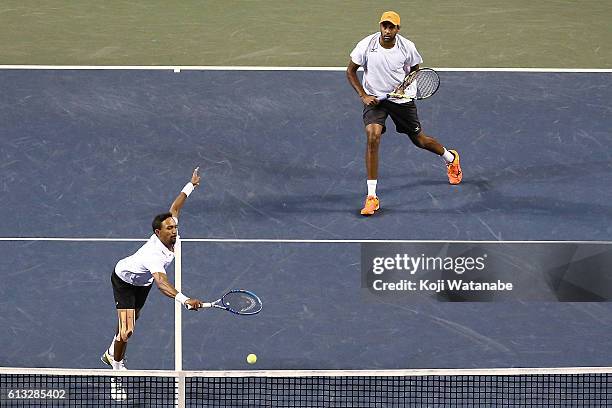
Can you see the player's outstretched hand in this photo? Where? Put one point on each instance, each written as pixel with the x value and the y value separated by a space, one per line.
pixel 193 304
pixel 195 177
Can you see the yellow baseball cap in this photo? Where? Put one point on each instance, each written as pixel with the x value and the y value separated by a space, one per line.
pixel 390 16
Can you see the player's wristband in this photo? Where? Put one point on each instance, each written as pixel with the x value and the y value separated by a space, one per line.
pixel 188 189
pixel 181 298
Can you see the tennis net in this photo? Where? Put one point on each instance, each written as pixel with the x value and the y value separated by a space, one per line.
pixel 530 387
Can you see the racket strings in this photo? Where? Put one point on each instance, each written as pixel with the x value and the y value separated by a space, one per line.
pixel 241 302
pixel 427 82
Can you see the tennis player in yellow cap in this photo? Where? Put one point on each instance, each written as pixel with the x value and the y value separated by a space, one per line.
pixel 387 58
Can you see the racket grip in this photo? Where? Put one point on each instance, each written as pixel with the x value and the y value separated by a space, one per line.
pixel 398 96
pixel 202 305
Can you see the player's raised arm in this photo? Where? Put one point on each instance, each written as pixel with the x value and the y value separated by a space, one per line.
pixel 178 202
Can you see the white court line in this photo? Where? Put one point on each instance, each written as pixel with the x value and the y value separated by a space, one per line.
pixel 177 68
pixel 306 241
pixel 74 239
pixel 381 241
pixel 178 308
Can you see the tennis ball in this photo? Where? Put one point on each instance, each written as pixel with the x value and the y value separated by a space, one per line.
pixel 251 358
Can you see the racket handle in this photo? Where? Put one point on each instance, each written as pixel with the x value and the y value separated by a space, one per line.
pixel 397 96
pixel 202 305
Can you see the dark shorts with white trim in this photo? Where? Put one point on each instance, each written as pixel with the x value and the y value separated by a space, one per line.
pixel 404 116
pixel 128 296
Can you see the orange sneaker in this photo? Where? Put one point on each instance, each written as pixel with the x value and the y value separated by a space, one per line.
pixel 371 204
pixel 455 175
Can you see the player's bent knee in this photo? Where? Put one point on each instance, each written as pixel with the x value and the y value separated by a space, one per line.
pixel 420 140
pixel 373 139
pixel 374 132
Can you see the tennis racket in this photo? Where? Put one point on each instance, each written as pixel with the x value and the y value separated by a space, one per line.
pixel 427 83
pixel 237 301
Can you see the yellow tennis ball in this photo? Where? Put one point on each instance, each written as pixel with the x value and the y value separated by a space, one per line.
pixel 251 358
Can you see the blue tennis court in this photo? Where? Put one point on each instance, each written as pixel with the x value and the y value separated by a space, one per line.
pixel 96 153
pixel 93 153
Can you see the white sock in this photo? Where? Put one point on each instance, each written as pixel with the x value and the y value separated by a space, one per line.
pixel 448 156
pixel 111 348
pixel 372 188
pixel 116 364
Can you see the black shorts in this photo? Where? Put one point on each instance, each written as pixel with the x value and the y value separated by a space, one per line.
pixel 404 116
pixel 128 296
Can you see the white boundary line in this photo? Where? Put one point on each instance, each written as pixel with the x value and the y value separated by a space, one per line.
pixel 178 68
pixel 73 239
pixel 382 241
pixel 304 241
pixel 313 373
pixel 178 322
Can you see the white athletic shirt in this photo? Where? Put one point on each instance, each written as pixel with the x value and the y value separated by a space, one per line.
pixel 384 69
pixel 137 269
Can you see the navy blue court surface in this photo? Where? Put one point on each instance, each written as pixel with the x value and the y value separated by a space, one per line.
pixel 97 153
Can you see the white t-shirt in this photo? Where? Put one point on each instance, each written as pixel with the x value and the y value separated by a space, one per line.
pixel 384 69
pixel 137 269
